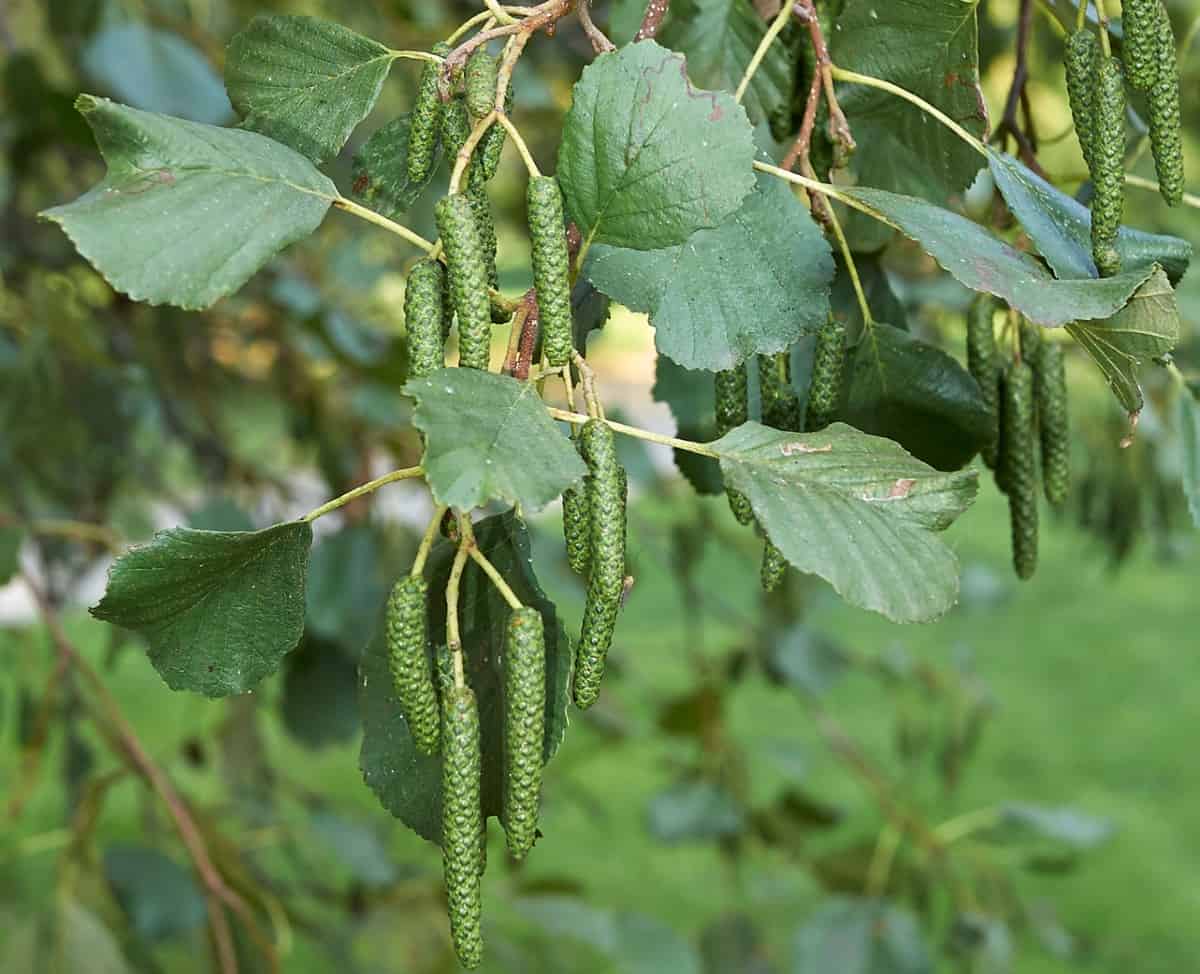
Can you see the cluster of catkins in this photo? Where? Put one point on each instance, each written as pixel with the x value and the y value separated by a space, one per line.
pixel 781 410
pixel 1096 90
pixel 462 286
pixel 439 706
pixel 1027 400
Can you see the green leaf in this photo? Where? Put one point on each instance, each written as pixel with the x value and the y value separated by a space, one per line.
pixel 692 400
pixel 907 390
pixel 646 159
pixel 1189 435
pixel 381 171
pixel 633 943
pixel 1061 227
pixel 10 552
pixel 83 943
pixel 408 783
pixel 489 437
pixel 985 263
pixel 220 609
pixel 346 584
pixel 188 212
pixel 1144 329
pixel 694 811
pixel 856 510
pixel 719 38
pixel 357 847
pixel 158 895
pixel 769 256
pixel 156 71
pixel 305 82
pixel 928 47
pixel 861 937
pixel 320 692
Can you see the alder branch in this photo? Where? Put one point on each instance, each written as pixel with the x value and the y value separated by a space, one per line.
pixel 656 10
pixel 218 894
pixel 600 42
pixel 1018 96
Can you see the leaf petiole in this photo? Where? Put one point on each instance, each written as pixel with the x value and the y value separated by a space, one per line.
pixel 407 473
pixel 578 419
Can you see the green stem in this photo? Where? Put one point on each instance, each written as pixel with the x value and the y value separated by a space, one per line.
pixel 1189 199
pixel 851 268
pixel 962 826
pixel 379 220
pixel 463 159
pixel 1102 16
pixel 880 867
pixel 497 579
pixel 453 637
pixel 776 28
pixel 526 155
pixel 841 74
pixel 497 11
pixel 825 189
pixel 1081 15
pixel 578 419
pixel 418 566
pixel 416 56
pixel 388 478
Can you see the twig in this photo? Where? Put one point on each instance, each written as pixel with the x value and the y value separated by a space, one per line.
pixel 217 891
pixel 497 579
pixel 1017 99
pixel 372 485
pixel 656 10
pixel 540 16
pixel 526 155
pixel 600 42
pixel 529 335
pixel 776 28
pixel 83 531
pixel 379 220
pixel 587 377
pixel 1189 199
pixel 513 352
pixel 839 128
pixel 578 419
pixel 453 637
pixel 800 148
pixel 418 565
pixel 463 159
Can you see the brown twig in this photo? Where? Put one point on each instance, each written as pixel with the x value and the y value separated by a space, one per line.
pixel 839 128
pixel 529 335
pixel 543 15
pixel 656 10
pixel 600 42
pixel 1018 96
pixel 217 892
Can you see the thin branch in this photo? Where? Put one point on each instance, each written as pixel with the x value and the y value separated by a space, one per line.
pixel 418 565
pixel 502 16
pixel 800 148
pixel 453 637
pixel 656 10
pixel 497 579
pixel 83 531
pixel 372 485
pixel 1189 199
pixel 189 832
pixel 538 17
pixel 776 28
pixel 526 155
pixel 578 419
pixel 416 56
pixel 600 42
pixel 851 269
pixel 839 128
pixel 463 159
pixel 379 220
pixel 1010 123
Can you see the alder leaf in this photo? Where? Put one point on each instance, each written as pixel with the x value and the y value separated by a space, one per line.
pixel 753 285
pixel 855 510
pixel 407 782
pixel 188 212
pixel 488 437
pixel 907 390
pixel 157 71
pixel 984 262
pixel 719 38
pixel 646 159
pixel 380 171
pixel 304 81
pixel 861 936
pixel 220 609
pixel 928 47
pixel 1146 328
pixel 1061 227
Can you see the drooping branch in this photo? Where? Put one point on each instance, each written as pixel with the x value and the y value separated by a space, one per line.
pixel 652 20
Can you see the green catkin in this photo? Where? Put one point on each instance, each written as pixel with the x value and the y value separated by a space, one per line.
pixel 524 727
pixel 1050 393
pixel 408 658
pixel 1108 166
pixel 1140 47
pixel 829 360
pixel 577 525
pixel 425 317
pixel 456 128
pixel 1166 124
pixel 732 409
pixel 606 576
pixel 480 80
pixel 551 267
pixel 774 567
pixel 467 268
pixel 462 823
pixel 984 365
pixel 1082 58
pixel 482 208
pixel 1019 464
pixel 426 123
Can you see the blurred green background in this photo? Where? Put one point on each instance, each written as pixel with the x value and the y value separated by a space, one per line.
pixel 730 783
